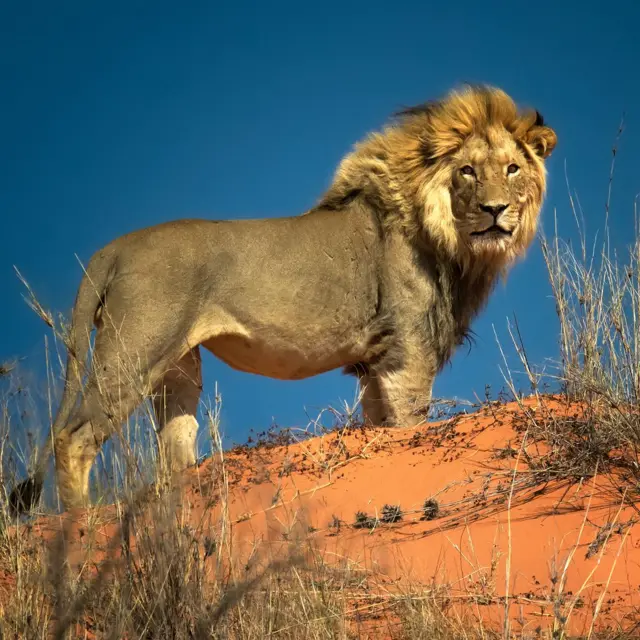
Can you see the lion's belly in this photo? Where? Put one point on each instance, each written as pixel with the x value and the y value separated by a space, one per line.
pixel 277 358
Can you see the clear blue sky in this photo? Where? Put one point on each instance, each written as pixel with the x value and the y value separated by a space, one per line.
pixel 117 115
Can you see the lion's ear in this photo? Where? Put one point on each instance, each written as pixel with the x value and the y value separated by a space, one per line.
pixel 540 138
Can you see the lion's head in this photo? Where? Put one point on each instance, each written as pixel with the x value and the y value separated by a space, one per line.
pixel 466 173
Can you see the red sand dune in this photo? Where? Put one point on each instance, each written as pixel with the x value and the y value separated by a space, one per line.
pixel 566 546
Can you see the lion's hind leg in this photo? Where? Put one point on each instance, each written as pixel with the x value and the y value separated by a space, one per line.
pixel 75 452
pixel 121 377
pixel 105 405
pixel 175 404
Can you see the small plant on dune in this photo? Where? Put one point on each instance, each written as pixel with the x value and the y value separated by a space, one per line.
pixel 364 521
pixel 391 513
pixel 210 546
pixel 335 524
pixel 430 509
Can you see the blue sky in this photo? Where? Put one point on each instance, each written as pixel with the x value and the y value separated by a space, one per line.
pixel 116 116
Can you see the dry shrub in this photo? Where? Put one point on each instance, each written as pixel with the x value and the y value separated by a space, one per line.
pixel 597 297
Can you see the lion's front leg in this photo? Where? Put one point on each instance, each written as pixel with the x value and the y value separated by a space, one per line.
pixel 373 405
pixel 405 392
pixel 406 400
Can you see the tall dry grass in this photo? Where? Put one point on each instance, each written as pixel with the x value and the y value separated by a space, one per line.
pixel 597 299
pixel 165 575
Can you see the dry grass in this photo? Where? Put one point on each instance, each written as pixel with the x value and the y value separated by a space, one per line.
pixel 598 304
pixel 161 577
pixel 597 297
pixel 164 577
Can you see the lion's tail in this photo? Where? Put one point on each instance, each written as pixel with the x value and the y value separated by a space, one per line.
pixel 90 297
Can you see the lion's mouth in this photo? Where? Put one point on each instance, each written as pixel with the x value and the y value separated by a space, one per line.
pixel 492 230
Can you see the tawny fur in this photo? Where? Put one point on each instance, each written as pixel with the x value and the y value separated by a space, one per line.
pixel 383 277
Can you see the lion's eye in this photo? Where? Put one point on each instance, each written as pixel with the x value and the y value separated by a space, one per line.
pixel 513 168
pixel 467 170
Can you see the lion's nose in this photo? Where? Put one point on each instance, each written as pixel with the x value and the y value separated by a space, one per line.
pixel 494 209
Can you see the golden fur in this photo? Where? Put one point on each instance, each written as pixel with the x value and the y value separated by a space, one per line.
pixel 383 277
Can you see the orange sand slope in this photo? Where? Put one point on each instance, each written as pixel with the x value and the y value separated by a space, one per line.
pixel 494 526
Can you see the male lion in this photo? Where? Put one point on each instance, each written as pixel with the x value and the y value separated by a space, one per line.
pixel 383 277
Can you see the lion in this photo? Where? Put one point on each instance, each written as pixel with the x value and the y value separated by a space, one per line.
pixel 382 277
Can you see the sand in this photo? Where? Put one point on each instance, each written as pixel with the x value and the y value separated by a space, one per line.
pixel 558 548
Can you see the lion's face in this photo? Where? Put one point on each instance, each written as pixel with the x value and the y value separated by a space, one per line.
pixel 493 186
pixel 465 173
